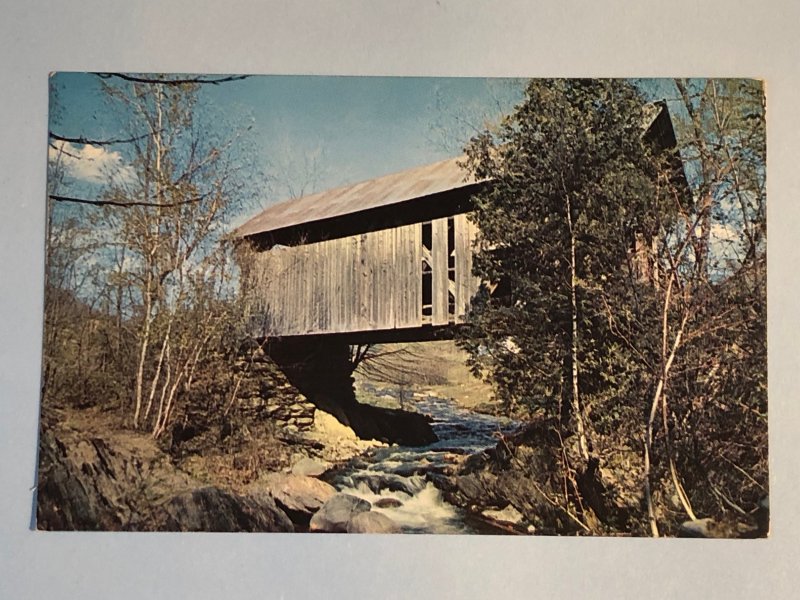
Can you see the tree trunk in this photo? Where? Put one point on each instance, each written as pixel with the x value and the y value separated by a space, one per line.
pixel 666 365
pixel 576 404
pixel 145 342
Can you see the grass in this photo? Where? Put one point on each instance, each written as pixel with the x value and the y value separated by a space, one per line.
pixel 431 368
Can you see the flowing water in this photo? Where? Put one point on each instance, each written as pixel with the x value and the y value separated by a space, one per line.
pixel 395 479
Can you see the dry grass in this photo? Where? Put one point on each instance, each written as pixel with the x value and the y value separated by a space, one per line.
pixel 438 368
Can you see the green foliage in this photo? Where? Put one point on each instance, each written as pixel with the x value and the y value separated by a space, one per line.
pixel 624 305
pixel 573 144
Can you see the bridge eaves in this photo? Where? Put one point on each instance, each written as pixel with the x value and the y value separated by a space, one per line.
pixel 396 188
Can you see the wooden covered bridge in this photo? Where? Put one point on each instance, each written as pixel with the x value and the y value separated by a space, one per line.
pixel 388 259
pixel 384 260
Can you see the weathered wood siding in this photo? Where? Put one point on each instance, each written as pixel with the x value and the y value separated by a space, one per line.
pixel 366 282
pixel 466 283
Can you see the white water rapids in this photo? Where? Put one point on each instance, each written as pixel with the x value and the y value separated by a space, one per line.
pixel 399 473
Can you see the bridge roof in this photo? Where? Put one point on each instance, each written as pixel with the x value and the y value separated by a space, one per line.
pixel 395 188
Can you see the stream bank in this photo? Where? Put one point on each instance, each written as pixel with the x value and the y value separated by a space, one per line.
pixel 95 475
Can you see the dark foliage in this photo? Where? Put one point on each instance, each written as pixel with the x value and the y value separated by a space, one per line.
pixel 611 306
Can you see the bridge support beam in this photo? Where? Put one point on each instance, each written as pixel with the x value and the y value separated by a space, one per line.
pixel 319 367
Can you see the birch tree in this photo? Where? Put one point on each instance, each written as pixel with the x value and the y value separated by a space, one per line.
pixel 167 282
pixel 572 182
pixel 711 383
pixel 183 192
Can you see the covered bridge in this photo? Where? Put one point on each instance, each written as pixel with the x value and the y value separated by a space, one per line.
pixel 384 260
pixel 388 259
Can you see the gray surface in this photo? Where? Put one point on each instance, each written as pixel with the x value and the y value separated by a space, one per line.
pixel 425 180
pixel 444 37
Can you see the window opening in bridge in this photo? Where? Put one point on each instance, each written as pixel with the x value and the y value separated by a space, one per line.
pixel 427 272
pixel 451 268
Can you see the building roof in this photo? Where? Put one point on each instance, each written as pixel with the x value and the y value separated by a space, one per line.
pixel 418 182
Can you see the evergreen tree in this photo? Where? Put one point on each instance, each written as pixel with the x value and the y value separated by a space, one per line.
pixel 623 311
pixel 573 185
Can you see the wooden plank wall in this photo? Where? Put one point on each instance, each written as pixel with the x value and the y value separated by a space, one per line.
pixel 466 283
pixel 371 281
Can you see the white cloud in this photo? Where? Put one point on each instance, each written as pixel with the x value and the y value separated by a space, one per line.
pixel 94 164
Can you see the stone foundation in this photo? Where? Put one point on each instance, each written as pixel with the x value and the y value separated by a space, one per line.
pixel 320 369
pixel 265 393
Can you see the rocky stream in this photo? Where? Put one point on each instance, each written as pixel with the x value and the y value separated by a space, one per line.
pixel 398 481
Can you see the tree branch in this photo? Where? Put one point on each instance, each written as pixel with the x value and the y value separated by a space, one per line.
pixel 181 81
pixel 83 140
pixel 124 204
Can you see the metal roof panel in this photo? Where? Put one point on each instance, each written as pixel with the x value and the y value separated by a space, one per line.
pixel 390 189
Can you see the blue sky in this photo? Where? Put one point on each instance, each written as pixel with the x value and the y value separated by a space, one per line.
pixel 319 131
pixel 355 128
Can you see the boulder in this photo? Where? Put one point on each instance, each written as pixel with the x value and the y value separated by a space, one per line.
pixel 336 513
pixel 409 485
pixel 723 527
pixel 508 515
pixel 470 486
pixel 390 425
pixel 372 522
pixel 387 503
pixel 93 477
pixel 338 442
pixel 212 509
pixel 90 483
pixel 698 528
pixel 377 482
pixel 297 495
pixel 310 467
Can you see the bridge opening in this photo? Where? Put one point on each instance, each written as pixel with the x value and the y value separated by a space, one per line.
pixel 451 270
pixel 427 272
pixel 397 375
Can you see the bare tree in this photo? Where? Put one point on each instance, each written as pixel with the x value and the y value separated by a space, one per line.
pixel 162 280
pixel 454 123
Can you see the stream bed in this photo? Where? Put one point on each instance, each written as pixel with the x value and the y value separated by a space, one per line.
pixel 394 479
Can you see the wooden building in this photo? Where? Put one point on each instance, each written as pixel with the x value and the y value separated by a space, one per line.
pixel 389 259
